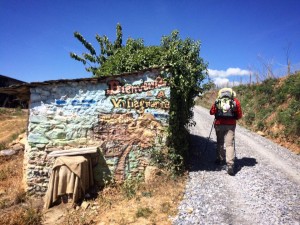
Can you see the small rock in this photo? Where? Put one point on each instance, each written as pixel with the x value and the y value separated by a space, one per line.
pixel 189 210
pixel 261 133
pixel 40 145
pixel 7 152
pixel 85 205
pixel 13 142
pixel 2 192
pixel 52 149
pixel 18 147
pixel 151 172
pixel 23 141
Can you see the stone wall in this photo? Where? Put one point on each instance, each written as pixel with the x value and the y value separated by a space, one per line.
pixel 126 116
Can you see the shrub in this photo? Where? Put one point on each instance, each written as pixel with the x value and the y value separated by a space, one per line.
pixel 129 187
pixel 22 216
pixel 3 145
pixel 165 207
pixel 32 216
pixel 143 212
pixel 3 175
pixel 260 125
pixel 249 118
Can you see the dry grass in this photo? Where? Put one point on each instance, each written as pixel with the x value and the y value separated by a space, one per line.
pixel 21 215
pixel 12 123
pixel 11 172
pixel 151 203
pixel 15 207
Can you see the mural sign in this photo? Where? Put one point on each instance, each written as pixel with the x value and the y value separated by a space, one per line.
pixel 126 116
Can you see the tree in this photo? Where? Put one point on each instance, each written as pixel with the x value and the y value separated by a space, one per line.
pixel 267 67
pixel 288 60
pixel 179 57
pixel 107 49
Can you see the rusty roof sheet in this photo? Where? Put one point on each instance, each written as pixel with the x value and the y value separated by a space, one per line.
pixel 22 91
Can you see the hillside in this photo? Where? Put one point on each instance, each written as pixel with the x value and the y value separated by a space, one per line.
pixel 15 207
pixel 12 123
pixel 271 108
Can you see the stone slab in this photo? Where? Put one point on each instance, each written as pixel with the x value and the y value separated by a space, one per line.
pixel 73 151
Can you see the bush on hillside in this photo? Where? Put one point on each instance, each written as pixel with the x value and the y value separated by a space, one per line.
pixel 273 107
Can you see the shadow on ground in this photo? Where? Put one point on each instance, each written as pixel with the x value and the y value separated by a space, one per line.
pixel 202 156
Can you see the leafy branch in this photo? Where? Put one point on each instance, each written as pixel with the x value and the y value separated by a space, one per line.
pixel 107 49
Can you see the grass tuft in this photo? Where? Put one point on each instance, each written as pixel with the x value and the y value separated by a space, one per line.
pixel 144 212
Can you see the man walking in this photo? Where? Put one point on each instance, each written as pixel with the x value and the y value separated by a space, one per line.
pixel 227 109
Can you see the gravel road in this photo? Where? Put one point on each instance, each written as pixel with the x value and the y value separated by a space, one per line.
pixel 264 190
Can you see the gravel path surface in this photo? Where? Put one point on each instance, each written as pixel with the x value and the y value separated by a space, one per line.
pixel 264 190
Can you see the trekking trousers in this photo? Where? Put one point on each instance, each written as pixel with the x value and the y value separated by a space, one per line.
pixel 225 134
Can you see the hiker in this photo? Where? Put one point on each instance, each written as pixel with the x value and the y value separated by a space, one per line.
pixel 227 109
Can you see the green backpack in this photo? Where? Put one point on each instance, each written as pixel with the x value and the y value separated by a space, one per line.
pixel 225 104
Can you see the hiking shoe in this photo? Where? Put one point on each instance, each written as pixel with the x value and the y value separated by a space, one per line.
pixel 230 170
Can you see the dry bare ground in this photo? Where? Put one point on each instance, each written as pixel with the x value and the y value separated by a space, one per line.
pixel 15 207
pixel 130 203
pixel 12 123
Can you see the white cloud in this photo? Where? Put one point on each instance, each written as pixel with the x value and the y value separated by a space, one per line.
pixel 227 73
pixel 225 82
pixel 221 82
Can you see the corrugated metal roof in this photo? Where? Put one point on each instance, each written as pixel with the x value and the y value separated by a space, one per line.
pixel 12 79
pixel 22 91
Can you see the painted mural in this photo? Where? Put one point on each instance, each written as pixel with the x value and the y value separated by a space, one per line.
pixel 119 134
pixel 126 116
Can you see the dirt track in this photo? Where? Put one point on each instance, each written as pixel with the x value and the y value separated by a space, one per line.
pixel 265 189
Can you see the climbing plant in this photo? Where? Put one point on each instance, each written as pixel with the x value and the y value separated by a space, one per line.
pixel 178 57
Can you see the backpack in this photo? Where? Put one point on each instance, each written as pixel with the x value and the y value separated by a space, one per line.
pixel 225 104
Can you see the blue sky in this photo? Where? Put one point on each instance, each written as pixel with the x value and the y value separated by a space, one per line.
pixel 237 36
